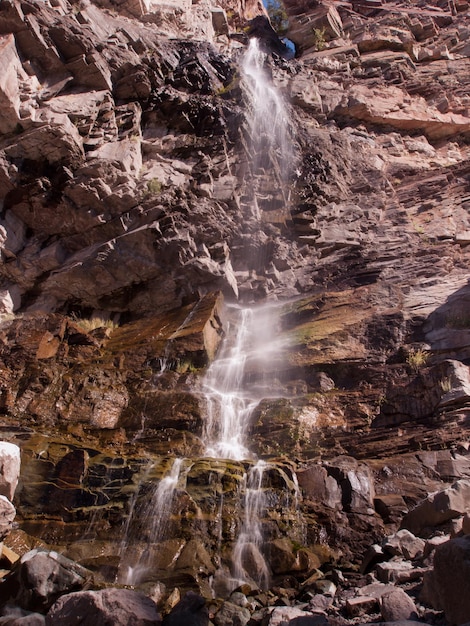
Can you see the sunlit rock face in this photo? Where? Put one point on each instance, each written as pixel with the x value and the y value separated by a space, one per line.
pixel 135 200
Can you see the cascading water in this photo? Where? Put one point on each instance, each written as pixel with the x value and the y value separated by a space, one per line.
pixel 268 122
pixel 248 561
pixel 245 371
pixel 150 523
pixel 243 374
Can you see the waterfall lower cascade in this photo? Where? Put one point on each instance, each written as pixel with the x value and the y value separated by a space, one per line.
pixel 248 560
pixel 150 524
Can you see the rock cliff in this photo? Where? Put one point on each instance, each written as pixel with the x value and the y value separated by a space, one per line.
pixel 135 211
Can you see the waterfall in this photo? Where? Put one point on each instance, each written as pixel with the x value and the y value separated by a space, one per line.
pixel 228 407
pixel 149 523
pixel 244 373
pixel 247 558
pixel 268 125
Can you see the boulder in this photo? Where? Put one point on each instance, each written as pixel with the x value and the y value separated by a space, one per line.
pixel 7 515
pixel 281 557
pixel 356 482
pixel 40 577
pixel 446 586
pixel 231 614
pixel 10 461
pixel 318 486
pixel 191 609
pixel 439 507
pixel 397 605
pixel 405 544
pixel 120 607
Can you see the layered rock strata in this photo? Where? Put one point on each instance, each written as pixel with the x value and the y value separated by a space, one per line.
pixel 127 208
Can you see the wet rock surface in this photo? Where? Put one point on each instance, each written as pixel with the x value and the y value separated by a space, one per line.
pixel 128 214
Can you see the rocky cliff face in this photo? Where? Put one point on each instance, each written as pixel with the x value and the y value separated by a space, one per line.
pixel 132 206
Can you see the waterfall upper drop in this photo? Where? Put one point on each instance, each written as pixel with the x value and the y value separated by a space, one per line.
pixel 268 126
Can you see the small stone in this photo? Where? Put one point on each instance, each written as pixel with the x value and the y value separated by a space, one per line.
pixel 320 603
pixel 8 556
pixel 326 587
pixel 7 515
pixel 374 555
pixel 434 542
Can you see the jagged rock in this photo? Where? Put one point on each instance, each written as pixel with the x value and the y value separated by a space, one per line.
pixel 191 609
pixel 439 508
pixel 10 71
pixel 444 586
pixel 397 605
pixel 356 483
pixel 312 28
pixel 10 463
pixel 394 571
pixel 51 138
pixel 394 109
pixel 117 606
pixel 405 544
pixel 40 577
pixel 318 485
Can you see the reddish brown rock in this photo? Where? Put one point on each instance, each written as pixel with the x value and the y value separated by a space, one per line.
pixel 445 585
pixel 397 605
pixel 120 606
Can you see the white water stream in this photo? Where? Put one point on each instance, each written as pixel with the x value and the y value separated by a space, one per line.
pixel 245 371
pixel 267 117
pixel 248 560
pixel 152 524
pixel 243 374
